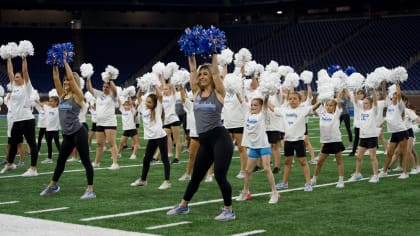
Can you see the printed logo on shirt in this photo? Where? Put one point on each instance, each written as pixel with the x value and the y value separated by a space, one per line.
pixel 65 107
pixel 326 118
pixel 291 115
pixel 390 109
pixel 364 116
pixel 204 106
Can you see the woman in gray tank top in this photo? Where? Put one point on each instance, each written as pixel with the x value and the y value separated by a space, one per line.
pixel 215 142
pixel 74 133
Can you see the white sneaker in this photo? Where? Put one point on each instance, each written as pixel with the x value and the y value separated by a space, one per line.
pixel 274 198
pixel 139 182
pixel 382 174
pixel 403 176
pixel 313 181
pixel 209 179
pixel 316 158
pixel 133 157
pixel 7 168
pixel 312 162
pixel 96 165
pixel 185 177
pixel 355 177
pixel 30 173
pixel 374 179
pixel 241 175
pixel 165 185
pixel 418 169
pixel 47 161
pixel 398 168
pixel 413 171
pixel 119 155
pixel 242 196
pixel 114 166
pixel 340 185
pixel 72 159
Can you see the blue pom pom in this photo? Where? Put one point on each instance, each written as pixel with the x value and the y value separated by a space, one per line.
pixel 190 40
pixel 198 40
pixel 333 68
pixel 350 70
pixel 56 55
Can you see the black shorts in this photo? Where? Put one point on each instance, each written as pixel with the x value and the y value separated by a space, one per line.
pixel 130 133
pixel 195 138
pixel 306 128
pixel 239 130
pixel 168 126
pixel 410 133
pixel 9 140
pixel 291 146
pixel 93 127
pixel 399 136
pixel 137 126
pixel 369 142
pixel 332 148
pixel 103 128
pixel 274 136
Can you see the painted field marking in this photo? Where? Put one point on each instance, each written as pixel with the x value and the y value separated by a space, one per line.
pixel 47 210
pixel 260 231
pixel 168 225
pixel 11 202
pixel 203 202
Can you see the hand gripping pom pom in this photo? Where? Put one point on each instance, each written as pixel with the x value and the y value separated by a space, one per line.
pixel 306 76
pixel 86 70
pixel 180 78
pixel 59 53
pixel 233 83
pixel 9 51
pixel 158 68
pixel 398 75
pixel 110 73
pixel 170 69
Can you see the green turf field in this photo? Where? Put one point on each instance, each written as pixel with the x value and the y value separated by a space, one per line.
pixel 388 208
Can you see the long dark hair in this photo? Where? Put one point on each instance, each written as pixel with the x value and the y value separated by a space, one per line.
pixel 154 98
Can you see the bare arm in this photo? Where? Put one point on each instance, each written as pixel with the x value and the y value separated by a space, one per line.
pixel 89 86
pixel 374 97
pixel 309 87
pixel 159 93
pixel 218 83
pixel 183 94
pixel 338 100
pixel 57 83
pixel 139 94
pixel 383 88
pixel 10 72
pixel 113 89
pixel 193 74
pixel 315 106
pixel 78 94
pixel 398 92
pixel 25 70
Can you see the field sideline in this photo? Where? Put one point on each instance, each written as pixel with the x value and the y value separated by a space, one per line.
pixel 388 208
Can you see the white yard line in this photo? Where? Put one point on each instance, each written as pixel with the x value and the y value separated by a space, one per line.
pixel 47 210
pixel 260 231
pixel 11 202
pixel 168 225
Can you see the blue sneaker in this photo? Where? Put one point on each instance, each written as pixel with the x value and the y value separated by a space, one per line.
pixel 89 194
pixel 226 215
pixel 281 185
pixel 308 188
pixel 355 177
pixel 178 210
pixel 50 190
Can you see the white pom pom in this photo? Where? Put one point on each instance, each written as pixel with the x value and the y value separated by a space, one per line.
pixel 272 67
pixel 148 81
pixel 306 76
pixel 226 57
pixel 111 73
pixel 158 68
pixel 131 91
pixel 34 96
pixel 119 90
pixel 250 68
pixel 398 74
pixel 322 74
pixel 86 69
pixel 82 83
pixel 53 93
pixel 170 69
pixel 180 78
pixel 237 71
pixel 233 83
pixel 372 81
pixel 89 97
pixel 269 83
pixel 1 91
pixel 242 57
pixel 292 80
pixel 25 48
pixel 383 73
pixel 355 81
pixel 284 70
pixel 9 51
pixel 339 74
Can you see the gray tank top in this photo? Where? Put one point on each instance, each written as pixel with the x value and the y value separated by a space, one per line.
pixel 207 112
pixel 344 106
pixel 68 111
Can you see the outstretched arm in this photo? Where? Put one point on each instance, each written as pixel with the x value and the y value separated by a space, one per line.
pixel 25 72
pixel 113 89
pixel 57 83
pixel 78 95
pixel 10 72
pixel 193 74
pixel 218 83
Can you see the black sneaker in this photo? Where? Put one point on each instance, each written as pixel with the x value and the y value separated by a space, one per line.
pixel 351 154
pixel 276 170
pixel 175 161
pixel 258 169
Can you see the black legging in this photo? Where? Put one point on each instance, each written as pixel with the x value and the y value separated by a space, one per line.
pixel 80 141
pixel 356 139
pixel 50 135
pixel 152 145
pixel 346 119
pixel 41 134
pixel 215 147
pixel 27 129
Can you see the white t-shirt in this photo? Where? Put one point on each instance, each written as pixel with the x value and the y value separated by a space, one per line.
pixel 127 118
pixel 234 114
pixel 83 112
pixel 329 125
pixel 42 116
pixel 294 120
pixel 152 129
pixel 188 107
pixel 53 121
pixel 409 118
pixel 274 122
pixel 20 103
pixel 394 120
pixel 356 107
pixel 168 103
pixel 254 135
pixel 368 125
pixel 92 115
pixel 105 109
